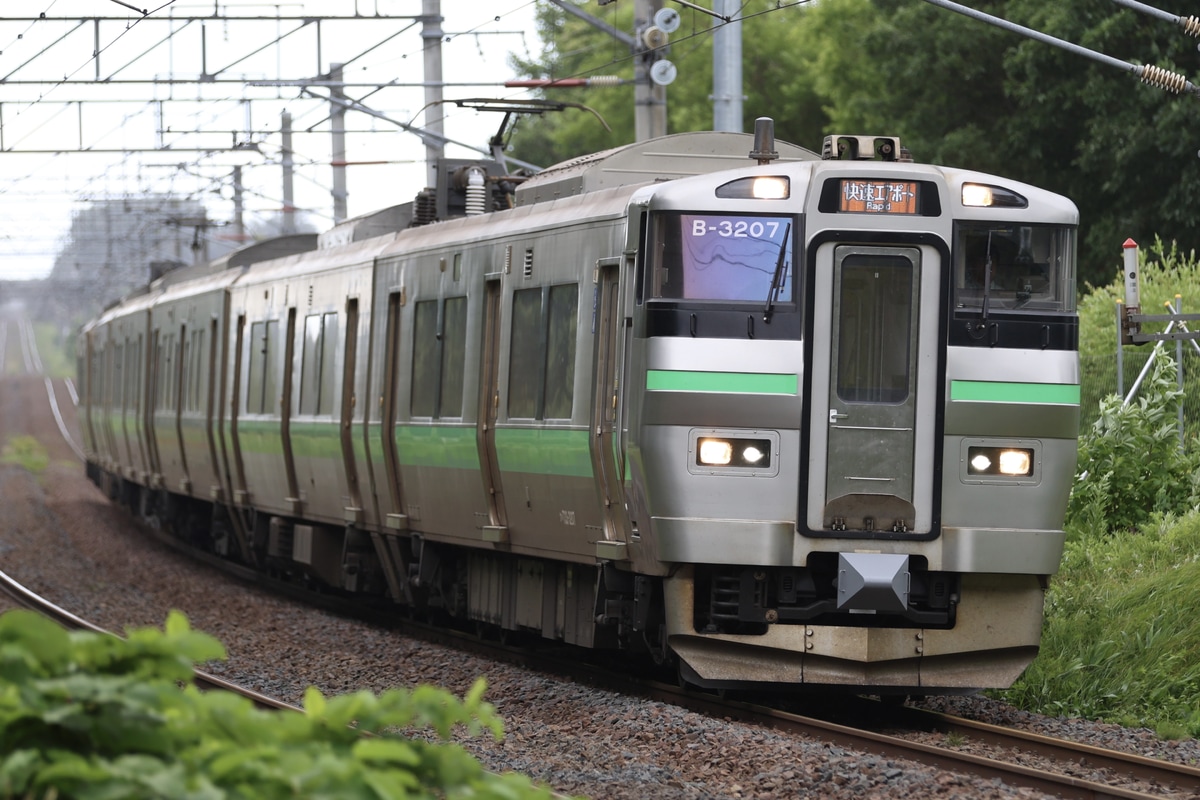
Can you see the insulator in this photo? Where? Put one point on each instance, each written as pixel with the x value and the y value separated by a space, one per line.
pixel 476 193
pixel 1191 25
pixel 1163 79
pixel 424 208
pixel 604 80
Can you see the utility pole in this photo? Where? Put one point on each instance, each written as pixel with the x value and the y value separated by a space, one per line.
pixel 239 222
pixel 285 159
pixel 337 121
pixel 727 68
pixel 650 99
pixel 431 36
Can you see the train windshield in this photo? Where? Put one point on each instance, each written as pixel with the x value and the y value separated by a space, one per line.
pixel 730 258
pixel 1014 266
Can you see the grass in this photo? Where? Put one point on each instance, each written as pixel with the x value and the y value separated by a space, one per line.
pixel 1121 641
pixel 27 452
pixel 56 347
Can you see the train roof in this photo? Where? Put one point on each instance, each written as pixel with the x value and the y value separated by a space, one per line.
pixel 678 155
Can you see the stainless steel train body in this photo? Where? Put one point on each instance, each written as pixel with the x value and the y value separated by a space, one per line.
pixel 801 421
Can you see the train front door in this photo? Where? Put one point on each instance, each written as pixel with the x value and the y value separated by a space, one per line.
pixel 874 366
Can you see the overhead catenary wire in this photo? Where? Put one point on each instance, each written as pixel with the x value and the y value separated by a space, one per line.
pixel 1190 25
pixel 1154 76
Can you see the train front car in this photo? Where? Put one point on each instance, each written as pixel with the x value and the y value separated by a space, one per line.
pixel 852 418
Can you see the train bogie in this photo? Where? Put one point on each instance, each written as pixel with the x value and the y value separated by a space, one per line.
pixel 801 422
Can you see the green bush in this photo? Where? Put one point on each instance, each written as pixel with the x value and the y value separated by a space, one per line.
pixel 1130 463
pixel 86 716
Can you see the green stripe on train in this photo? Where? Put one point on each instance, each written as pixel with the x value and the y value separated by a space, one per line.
pixel 445 446
pixel 544 451
pixel 734 382
pixel 1005 392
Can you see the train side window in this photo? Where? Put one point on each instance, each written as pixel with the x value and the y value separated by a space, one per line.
pixel 439 358
pixel 560 351
pixel 137 375
pixel 185 360
pixel 525 361
pixel 261 391
pixel 330 345
pixel 258 357
pixel 541 375
pixel 197 367
pixel 270 381
pixel 454 356
pixel 425 360
pixel 317 365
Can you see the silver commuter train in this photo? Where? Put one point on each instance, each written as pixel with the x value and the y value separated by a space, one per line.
pixel 793 419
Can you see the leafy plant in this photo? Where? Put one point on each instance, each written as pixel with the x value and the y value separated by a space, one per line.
pixel 1130 462
pixel 86 715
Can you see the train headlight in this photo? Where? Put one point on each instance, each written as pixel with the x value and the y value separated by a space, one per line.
pixel 1013 462
pixel 760 187
pixel 714 452
pixel 980 195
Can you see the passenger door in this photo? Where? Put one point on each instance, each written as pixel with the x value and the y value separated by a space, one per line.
pixel 872 420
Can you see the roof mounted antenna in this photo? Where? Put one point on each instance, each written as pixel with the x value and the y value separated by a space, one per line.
pixel 764 141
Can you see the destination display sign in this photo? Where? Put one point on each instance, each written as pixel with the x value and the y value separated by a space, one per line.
pixel 860 196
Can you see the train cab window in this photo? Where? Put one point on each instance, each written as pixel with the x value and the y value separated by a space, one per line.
pixel 724 258
pixel 439 358
pixel 1014 266
pixel 541 376
pixel 317 377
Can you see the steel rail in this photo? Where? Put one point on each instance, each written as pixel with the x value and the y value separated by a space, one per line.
pixel 1055 783
pixel 35 602
pixel 1184 777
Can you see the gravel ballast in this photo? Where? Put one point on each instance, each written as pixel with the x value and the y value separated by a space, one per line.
pixel 61 538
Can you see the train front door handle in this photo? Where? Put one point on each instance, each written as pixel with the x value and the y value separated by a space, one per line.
pixel 835 415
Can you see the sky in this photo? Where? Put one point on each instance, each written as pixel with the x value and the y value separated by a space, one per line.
pixel 50 102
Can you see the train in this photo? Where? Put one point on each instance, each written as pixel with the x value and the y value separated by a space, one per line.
pixel 758 414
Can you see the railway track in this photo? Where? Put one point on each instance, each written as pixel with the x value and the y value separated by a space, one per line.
pixel 888 731
pixel 24 598
pixel 1132 776
pixel 1061 766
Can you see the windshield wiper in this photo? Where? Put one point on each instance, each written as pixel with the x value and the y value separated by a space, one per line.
pixel 777 277
pixel 981 328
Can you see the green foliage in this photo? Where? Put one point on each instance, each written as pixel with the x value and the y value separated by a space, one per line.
pixel 86 715
pixel 1122 640
pixel 27 452
pixel 1167 275
pixel 1130 462
pixel 957 91
pixel 56 348
pixel 776 44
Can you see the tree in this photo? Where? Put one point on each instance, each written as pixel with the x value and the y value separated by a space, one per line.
pixel 956 90
pixel 774 82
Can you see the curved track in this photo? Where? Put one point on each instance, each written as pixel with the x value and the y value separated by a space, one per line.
pixel 31 405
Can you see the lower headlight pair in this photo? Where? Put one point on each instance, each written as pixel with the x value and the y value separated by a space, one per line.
pixel 1013 462
pixel 712 452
